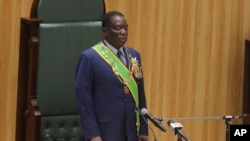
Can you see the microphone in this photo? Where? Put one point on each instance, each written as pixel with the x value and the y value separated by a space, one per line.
pixel 176 129
pixel 144 112
pixel 146 123
pixel 234 117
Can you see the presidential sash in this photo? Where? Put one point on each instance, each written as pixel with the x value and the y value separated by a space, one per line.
pixel 122 72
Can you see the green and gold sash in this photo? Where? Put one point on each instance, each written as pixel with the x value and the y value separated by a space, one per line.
pixel 121 71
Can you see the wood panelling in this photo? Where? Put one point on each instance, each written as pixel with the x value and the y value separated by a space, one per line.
pixel 10 13
pixel 192 52
pixel 193 57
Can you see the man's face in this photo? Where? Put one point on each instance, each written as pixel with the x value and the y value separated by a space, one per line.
pixel 117 32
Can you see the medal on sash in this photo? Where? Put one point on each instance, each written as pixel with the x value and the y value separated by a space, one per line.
pixel 126 89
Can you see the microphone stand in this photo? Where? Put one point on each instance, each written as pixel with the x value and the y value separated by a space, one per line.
pixel 228 123
pixel 226 118
pixel 180 136
pixel 155 139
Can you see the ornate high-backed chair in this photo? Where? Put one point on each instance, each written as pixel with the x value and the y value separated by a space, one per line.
pixel 51 40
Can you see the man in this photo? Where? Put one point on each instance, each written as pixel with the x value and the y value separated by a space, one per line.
pixel 110 89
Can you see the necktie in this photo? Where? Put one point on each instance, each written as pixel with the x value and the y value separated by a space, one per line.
pixel 119 53
pixel 126 57
pixel 120 56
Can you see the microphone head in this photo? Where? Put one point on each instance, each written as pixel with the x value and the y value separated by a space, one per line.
pixel 144 111
pixel 170 121
pixel 174 126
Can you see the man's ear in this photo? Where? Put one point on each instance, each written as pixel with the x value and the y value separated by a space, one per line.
pixel 105 31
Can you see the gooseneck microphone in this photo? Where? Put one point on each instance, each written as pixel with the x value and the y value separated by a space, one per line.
pixel 144 112
pixel 176 129
pixel 155 139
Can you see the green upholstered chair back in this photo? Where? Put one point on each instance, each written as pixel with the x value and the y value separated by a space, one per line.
pixel 70 10
pixel 68 27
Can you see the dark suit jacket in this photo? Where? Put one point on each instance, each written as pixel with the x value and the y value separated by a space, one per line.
pixel 105 110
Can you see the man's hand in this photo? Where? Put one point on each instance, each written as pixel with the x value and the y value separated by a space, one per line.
pixel 143 138
pixel 98 138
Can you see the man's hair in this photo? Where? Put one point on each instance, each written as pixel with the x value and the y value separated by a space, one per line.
pixel 106 19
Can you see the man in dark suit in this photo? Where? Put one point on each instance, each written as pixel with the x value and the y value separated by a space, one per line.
pixel 110 88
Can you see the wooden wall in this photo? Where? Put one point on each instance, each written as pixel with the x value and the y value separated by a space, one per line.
pixel 10 13
pixel 192 52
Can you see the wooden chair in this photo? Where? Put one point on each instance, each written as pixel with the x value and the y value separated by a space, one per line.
pixel 51 40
